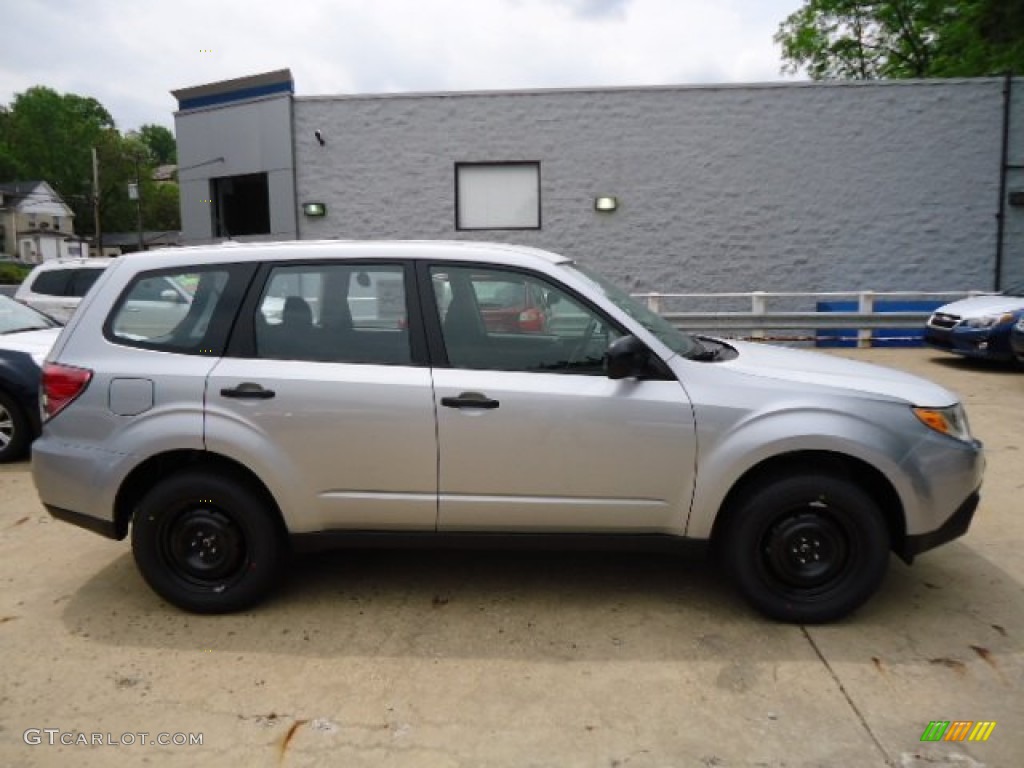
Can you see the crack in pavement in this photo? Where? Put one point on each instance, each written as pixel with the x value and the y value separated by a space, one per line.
pixel 846 695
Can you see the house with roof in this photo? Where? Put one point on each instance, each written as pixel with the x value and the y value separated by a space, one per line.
pixel 36 225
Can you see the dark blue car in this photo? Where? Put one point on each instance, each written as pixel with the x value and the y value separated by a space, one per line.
pixel 25 338
pixel 979 326
pixel 1017 339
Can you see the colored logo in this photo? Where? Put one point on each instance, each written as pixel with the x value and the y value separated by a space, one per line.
pixel 958 730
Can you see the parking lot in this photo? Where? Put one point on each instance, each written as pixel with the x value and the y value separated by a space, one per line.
pixel 442 658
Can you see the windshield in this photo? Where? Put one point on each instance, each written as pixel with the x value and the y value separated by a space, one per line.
pixel 15 317
pixel 667 333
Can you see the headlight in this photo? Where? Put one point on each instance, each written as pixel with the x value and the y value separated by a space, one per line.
pixel 988 320
pixel 951 421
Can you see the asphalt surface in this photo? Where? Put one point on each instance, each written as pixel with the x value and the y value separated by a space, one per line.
pixel 443 658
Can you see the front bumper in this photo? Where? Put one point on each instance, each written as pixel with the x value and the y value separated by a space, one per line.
pixel 986 343
pixel 954 527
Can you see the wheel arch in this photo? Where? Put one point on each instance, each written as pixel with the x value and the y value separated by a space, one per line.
pixel 148 473
pixel 867 477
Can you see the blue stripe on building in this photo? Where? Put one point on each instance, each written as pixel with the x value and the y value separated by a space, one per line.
pixel 242 94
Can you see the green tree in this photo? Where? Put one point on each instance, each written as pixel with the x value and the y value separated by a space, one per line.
pixel 859 39
pixel 118 156
pixel 161 208
pixel 987 37
pixel 47 135
pixel 8 161
pixel 160 142
pixel 50 136
pixel 126 160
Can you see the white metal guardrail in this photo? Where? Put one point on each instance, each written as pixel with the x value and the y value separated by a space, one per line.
pixel 760 319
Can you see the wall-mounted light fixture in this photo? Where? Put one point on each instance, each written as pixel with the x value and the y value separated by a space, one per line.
pixel 314 209
pixel 606 203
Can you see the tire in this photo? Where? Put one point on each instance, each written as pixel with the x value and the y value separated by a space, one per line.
pixel 207 543
pixel 14 429
pixel 807 549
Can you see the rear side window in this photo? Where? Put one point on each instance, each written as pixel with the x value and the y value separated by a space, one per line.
pixel 53 282
pixel 339 313
pixel 188 310
pixel 81 281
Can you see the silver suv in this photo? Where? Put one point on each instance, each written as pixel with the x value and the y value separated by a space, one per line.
pixel 332 392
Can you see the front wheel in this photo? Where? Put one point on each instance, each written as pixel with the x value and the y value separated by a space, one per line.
pixel 807 548
pixel 207 543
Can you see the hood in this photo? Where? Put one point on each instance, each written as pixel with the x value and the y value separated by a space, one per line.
pixel 979 306
pixel 816 369
pixel 35 343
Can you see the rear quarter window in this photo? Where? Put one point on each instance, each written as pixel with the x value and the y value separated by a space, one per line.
pixel 184 310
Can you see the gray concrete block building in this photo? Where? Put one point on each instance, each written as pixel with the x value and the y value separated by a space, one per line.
pixel 904 185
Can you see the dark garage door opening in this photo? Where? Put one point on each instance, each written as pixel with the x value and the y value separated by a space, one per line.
pixel 241 205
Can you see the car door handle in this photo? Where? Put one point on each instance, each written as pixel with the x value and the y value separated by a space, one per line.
pixel 248 390
pixel 470 400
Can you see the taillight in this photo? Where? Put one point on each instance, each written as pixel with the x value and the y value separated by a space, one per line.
pixel 61 384
pixel 531 320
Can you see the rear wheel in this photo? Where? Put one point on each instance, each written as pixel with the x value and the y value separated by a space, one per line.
pixel 14 429
pixel 207 543
pixel 807 548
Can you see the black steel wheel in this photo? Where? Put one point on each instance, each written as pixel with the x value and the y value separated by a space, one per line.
pixel 207 543
pixel 807 548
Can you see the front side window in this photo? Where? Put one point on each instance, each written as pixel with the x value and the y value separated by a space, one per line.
pixel 512 321
pixel 497 196
pixel 340 313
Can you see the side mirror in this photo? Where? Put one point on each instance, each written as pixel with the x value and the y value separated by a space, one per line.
pixel 170 295
pixel 625 357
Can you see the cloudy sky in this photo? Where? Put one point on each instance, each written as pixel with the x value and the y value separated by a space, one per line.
pixel 129 54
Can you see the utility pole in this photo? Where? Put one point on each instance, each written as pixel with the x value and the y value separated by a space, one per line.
pixel 98 236
pixel 135 193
